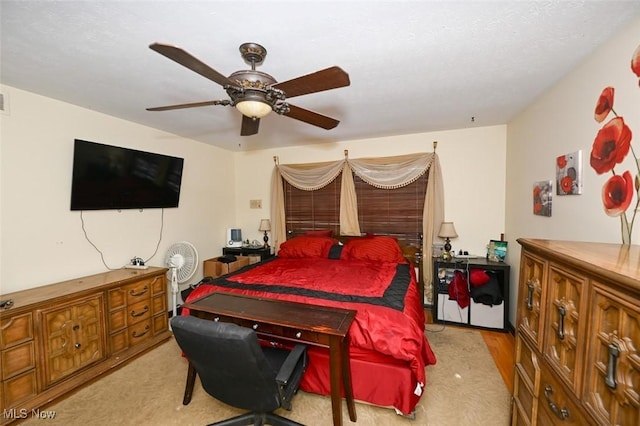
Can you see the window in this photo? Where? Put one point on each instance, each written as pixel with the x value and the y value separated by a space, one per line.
pixel 395 212
pixel 312 210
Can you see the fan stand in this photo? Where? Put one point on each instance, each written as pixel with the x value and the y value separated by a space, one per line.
pixel 175 261
pixel 174 289
pixel 181 260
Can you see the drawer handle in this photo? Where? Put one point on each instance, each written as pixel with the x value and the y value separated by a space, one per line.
pixel 77 345
pixel 561 413
pixel 530 289
pixel 563 312
pixel 142 312
pixel 135 332
pixel 298 335
pixel 255 326
pixel 216 319
pixel 614 353
pixel 134 294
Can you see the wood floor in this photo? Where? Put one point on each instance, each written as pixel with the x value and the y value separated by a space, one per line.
pixel 501 346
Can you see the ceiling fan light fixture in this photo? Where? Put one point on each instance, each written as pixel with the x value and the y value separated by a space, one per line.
pixel 255 93
pixel 254 109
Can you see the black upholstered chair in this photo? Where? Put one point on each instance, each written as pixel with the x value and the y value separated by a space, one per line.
pixel 236 370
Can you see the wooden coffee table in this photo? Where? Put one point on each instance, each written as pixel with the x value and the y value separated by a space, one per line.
pixel 289 321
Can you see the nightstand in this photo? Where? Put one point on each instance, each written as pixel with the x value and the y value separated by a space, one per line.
pixel 447 310
pixel 255 254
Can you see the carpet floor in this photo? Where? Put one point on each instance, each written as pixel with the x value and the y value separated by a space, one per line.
pixel 463 388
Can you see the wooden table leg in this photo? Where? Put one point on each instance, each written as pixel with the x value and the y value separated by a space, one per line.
pixel 188 389
pixel 335 372
pixel 346 378
pixel 340 376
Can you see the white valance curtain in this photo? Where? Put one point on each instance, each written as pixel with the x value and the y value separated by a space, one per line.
pixel 381 172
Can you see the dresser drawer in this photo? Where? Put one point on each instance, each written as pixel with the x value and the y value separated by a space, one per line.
pixel 138 312
pixel 160 323
pixel 527 361
pixel 117 298
pixel 16 329
pixel 611 391
pixel 518 418
pixel 531 306
pixel 527 376
pixel 18 359
pixel 119 341
pixel 135 292
pixel 555 406
pixel 19 388
pixel 564 345
pixel 140 332
pixel 523 398
pixel 159 304
pixel 158 285
pixel 117 320
pixel 139 291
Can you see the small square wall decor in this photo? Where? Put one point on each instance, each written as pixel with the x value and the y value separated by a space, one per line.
pixel 569 174
pixel 542 192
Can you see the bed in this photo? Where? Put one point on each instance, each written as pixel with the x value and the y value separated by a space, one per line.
pixel 387 345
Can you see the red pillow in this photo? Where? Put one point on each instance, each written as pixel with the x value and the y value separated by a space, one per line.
pixel 376 248
pixel 304 246
pixel 478 277
pixel 319 233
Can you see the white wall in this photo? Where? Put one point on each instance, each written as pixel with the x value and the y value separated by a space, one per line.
pixel 473 171
pixel 43 241
pixel 561 122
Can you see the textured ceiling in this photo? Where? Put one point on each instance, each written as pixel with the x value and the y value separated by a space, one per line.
pixel 414 66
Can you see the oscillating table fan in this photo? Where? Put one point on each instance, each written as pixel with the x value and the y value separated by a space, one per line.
pixel 182 260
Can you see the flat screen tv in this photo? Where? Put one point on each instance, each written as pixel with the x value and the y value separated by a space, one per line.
pixel 109 177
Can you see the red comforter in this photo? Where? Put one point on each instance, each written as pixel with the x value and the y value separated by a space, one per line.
pixel 390 316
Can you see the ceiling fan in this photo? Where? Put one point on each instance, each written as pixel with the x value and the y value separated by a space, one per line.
pixel 254 93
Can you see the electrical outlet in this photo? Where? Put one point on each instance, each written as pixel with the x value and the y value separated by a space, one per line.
pixel 255 204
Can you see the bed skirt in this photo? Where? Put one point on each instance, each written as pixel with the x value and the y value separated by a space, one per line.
pixel 377 379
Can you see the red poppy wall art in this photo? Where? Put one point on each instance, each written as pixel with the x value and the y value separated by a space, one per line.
pixel 542 198
pixel 610 148
pixel 569 174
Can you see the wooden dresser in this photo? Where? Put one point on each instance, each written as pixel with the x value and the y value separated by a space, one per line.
pixel 58 337
pixel 577 334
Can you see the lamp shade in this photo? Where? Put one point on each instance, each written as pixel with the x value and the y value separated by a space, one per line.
pixel 265 225
pixel 253 109
pixel 447 230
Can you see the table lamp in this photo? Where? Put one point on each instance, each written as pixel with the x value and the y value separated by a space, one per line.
pixel 265 225
pixel 447 231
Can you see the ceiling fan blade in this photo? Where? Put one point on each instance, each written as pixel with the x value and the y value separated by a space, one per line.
pixel 311 117
pixel 249 126
pixel 191 105
pixel 186 59
pixel 330 78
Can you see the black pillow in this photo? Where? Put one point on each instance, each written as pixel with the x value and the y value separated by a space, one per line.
pixel 335 251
